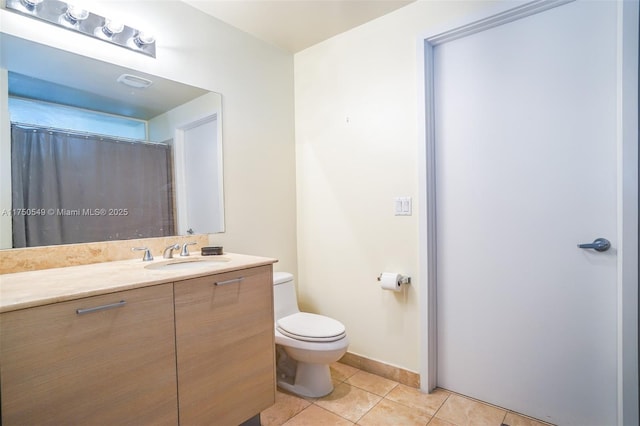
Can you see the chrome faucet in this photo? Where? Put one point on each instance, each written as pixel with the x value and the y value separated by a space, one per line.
pixel 185 249
pixel 147 253
pixel 168 252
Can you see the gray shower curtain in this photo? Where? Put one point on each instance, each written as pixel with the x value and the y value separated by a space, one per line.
pixel 72 188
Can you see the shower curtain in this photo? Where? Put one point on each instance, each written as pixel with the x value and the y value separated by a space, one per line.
pixel 74 188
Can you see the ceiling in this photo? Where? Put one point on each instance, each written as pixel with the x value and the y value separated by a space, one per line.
pixel 294 25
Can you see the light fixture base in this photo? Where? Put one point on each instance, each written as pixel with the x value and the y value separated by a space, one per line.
pixel 54 11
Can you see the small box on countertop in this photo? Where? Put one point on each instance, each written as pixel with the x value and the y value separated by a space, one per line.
pixel 211 251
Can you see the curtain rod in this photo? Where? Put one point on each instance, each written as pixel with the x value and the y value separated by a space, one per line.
pixel 27 126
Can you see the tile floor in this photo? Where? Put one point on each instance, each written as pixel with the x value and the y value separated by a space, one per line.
pixel 361 398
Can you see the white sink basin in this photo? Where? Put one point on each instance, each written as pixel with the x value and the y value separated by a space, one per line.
pixel 182 264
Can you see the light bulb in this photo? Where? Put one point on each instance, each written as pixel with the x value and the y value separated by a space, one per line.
pixel 112 27
pixel 143 38
pixel 76 13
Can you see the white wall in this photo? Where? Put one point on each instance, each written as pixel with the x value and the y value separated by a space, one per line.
pixel 357 147
pixel 255 80
pixel 162 127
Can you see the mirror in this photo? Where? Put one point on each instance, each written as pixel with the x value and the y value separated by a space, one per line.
pixel 181 120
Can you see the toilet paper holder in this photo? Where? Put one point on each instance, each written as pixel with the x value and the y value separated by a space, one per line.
pixel 403 280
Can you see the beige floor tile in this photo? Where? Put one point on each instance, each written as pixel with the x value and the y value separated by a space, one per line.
pixel 286 407
pixel 342 372
pixel 412 397
pixel 514 419
pixel 391 413
pixel 369 400
pixel 315 416
pixel 372 383
pixel 439 422
pixel 463 411
pixel 349 401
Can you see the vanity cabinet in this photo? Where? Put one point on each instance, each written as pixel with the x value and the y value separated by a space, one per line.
pixel 184 351
pixel 107 359
pixel 225 346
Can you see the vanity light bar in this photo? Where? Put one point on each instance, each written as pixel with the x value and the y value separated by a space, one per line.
pixel 74 18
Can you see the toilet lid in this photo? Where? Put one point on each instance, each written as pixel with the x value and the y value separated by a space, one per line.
pixel 311 327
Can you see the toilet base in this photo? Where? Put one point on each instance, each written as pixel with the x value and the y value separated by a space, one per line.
pixel 311 380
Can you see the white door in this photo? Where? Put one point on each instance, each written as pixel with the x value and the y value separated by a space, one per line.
pixel 201 180
pixel 525 153
pixel 198 157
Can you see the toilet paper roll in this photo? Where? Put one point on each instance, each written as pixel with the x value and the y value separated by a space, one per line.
pixel 390 281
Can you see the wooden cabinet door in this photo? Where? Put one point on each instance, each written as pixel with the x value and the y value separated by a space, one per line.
pixel 225 346
pixel 114 365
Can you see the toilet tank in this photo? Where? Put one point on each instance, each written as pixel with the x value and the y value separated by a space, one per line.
pixel 285 301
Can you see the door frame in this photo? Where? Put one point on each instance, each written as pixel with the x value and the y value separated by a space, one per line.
pixel 627 192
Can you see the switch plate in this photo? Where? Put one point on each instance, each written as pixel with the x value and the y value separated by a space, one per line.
pixel 402 206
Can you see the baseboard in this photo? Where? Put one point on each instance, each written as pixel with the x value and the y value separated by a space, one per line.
pixel 397 374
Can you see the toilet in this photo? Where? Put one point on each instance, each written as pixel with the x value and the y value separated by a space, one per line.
pixel 306 343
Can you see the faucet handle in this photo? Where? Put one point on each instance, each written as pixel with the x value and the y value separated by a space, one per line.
pixel 168 252
pixel 147 253
pixel 185 249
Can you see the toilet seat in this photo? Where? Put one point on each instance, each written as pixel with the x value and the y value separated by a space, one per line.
pixel 310 327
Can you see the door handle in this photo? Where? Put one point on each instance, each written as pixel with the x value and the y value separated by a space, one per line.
pixel 599 244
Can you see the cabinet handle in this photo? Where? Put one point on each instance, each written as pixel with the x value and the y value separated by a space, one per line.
pixel 233 281
pixel 101 308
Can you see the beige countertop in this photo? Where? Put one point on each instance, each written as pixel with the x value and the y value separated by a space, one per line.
pixel 27 289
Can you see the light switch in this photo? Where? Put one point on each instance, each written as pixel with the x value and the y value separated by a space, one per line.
pixel 406 206
pixel 398 209
pixel 403 206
